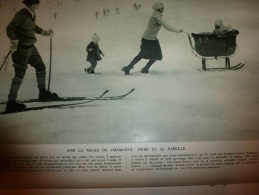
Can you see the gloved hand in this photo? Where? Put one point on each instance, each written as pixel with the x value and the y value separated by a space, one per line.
pixel 49 32
pixel 180 30
pixel 13 45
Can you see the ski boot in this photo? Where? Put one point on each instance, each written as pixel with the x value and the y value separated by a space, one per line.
pixel 126 70
pixel 45 96
pixel 14 106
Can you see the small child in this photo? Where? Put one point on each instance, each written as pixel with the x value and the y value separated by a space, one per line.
pixel 220 28
pixel 94 53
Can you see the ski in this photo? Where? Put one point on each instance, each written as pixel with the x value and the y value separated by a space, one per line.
pixel 56 105
pixel 65 99
pixel 236 67
pixel 116 97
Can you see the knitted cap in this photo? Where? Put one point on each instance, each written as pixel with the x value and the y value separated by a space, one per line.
pixel 218 23
pixel 95 38
pixel 31 2
pixel 157 6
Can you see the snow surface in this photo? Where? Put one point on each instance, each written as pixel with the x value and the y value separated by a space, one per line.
pixel 174 103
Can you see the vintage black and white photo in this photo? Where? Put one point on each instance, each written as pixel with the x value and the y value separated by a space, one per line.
pixel 76 73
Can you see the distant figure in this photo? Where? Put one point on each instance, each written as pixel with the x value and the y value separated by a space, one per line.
pixel 150 47
pixel 117 10
pixel 104 12
pixel 135 6
pixel 107 11
pixel 94 53
pixel 96 15
pixel 220 28
pixel 59 3
pixel 139 6
pixel 55 15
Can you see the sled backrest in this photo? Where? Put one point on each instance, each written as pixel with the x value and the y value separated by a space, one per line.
pixel 215 45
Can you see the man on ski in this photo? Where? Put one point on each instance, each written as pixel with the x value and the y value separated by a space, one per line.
pixel 21 32
pixel 150 47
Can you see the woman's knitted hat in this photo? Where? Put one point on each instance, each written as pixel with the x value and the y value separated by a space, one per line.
pixel 157 6
pixel 95 38
pixel 31 2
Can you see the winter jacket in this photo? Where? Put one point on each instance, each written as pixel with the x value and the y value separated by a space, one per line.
pixel 93 55
pixel 154 26
pixel 23 28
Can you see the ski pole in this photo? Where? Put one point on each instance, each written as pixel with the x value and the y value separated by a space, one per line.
pixel 50 62
pixel 6 57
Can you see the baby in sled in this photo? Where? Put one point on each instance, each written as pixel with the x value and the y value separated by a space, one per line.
pixel 220 28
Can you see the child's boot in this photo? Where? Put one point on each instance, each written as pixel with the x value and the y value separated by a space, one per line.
pixel 90 71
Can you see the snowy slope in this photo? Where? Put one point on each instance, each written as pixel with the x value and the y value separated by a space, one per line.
pixel 175 102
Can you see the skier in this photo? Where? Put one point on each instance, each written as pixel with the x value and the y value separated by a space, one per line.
pixel 21 32
pixel 150 47
pixel 55 15
pixel 94 53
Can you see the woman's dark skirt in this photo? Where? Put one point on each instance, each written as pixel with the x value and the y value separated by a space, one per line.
pixel 150 49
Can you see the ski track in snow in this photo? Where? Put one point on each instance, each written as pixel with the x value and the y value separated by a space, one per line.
pixel 175 102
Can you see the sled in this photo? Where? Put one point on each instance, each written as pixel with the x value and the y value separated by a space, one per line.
pixel 213 46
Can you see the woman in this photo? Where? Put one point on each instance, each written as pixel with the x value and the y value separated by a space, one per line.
pixel 150 47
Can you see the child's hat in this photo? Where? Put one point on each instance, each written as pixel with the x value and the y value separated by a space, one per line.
pixel 95 38
pixel 157 6
pixel 218 23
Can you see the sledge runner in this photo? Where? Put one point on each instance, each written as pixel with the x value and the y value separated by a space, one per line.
pixel 93 53
pixel 21 32
pixel 150 47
